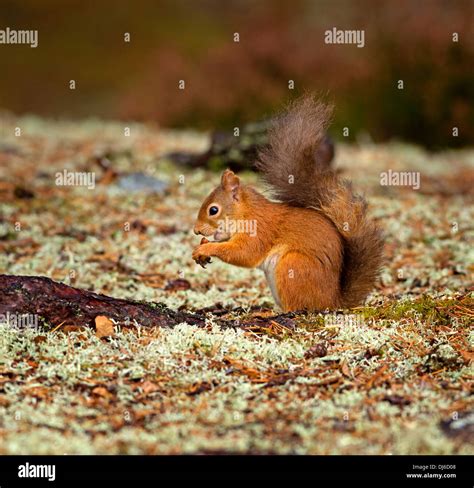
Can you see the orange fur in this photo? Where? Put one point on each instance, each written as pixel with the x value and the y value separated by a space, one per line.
pixel 316 245
pixel 307 245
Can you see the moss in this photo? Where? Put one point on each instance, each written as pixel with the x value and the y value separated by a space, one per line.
pixel 392 371
pixel 425 308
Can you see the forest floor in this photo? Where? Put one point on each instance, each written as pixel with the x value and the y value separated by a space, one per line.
pixel 392 377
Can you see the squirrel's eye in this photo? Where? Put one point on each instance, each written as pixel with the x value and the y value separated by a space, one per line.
pixel 213 210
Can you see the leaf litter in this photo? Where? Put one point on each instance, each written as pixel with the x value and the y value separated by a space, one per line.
pixel 391 377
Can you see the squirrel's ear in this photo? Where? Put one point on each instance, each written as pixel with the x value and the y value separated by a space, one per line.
pixel 230 182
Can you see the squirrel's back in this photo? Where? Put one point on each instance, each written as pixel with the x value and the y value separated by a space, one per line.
pixel 290 166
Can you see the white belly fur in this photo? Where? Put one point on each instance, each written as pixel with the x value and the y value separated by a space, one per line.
pixel 268 267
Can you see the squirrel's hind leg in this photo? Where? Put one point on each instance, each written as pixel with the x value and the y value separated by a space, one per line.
pixel 304 283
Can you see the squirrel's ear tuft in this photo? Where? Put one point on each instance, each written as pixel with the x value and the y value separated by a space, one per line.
pixel 230 182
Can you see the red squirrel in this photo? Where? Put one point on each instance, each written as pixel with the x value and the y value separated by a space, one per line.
pixel 315 244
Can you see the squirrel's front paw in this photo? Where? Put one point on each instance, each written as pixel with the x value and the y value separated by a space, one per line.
pixel 199 254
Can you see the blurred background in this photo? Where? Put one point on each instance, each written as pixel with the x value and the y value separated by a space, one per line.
pixel 229 83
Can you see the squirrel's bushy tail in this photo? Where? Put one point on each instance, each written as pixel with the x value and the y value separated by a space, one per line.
pixel 289 165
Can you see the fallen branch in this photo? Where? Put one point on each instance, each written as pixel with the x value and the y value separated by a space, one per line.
pixel 239 153
pixel 56 304
pixel 61 306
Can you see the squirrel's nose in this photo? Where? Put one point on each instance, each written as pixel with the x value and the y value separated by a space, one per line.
pixel 196 231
